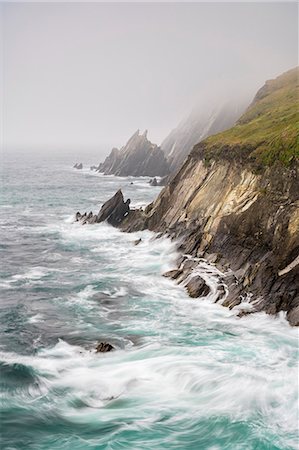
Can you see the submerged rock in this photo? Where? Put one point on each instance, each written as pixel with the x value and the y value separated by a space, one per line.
pixel 197 287
pixel 293 316
pixel 104 347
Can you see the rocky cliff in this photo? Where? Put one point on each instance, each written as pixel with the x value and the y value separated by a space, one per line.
pixel 204 121
pixel 139 157
pixel 235 201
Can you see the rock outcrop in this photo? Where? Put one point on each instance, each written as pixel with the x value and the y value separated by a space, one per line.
pixel 104 347
pixel 139 157
pixel 154 182
pixel 78 166
pixel 113 211
pixel 236 201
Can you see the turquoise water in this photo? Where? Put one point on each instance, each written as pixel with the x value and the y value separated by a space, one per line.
pixel 186 374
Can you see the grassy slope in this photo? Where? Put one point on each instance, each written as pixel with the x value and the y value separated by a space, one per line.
pixel 268 131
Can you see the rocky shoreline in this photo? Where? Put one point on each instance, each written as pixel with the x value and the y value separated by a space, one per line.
pixel 235 203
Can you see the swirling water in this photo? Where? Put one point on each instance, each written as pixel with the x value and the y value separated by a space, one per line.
pixel 186 374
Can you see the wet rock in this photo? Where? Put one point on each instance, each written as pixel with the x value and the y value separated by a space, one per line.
pixel 78 166
pixel 153 182
pixel 189 265
pixel 104 347
pixel 78 216
pixel 234 296
pixel 180 260
pixel 174 274
pixel 293 316
pixel 114 210
pixel 87 218
pixel 221 293
pixel 197 287
pixel 213 258
pixel 244 312
pixel 137 242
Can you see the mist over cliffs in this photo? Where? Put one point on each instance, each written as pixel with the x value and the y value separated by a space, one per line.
pixel 140 157
pixel 235 202
pixel 206 119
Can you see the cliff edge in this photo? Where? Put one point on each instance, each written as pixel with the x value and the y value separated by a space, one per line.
pixel 235 201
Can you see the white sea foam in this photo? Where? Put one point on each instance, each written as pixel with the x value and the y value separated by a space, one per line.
pixel 33 274
pixel 36 318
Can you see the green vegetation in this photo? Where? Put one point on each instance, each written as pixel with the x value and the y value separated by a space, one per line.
pixel 268 131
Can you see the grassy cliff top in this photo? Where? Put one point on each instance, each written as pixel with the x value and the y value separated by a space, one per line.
pixel 268 131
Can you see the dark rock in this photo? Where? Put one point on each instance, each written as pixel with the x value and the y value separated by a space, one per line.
pixel 189 265
pixel 234 296
pixel 153 182
pixel 174 274
pixel 197 287
pixel 221 293
pixel 180 259
pixel 293 316
pixel 137 242
pixel 139 157
pixel 244 312
pixel 78 166
pixel 87 218
pixel 104 347
pixel 114 210
pixel 78 216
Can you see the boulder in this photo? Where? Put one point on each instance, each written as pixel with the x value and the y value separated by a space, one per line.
pixel 104 347
pixel 197 287
pixel 137 242
pixel 174 274
pixel 153 182
pixel 293 316
pixel 114 210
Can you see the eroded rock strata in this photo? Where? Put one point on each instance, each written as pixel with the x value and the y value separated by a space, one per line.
pixel 237 204
pixel 139 157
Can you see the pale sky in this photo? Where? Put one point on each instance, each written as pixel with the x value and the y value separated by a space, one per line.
pixel 87 75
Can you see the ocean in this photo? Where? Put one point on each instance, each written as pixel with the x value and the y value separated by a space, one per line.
pixel 185 373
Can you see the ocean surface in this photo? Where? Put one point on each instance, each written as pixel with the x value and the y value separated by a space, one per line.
pixel 186 373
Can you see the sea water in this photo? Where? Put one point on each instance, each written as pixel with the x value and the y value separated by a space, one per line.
pixel 185 373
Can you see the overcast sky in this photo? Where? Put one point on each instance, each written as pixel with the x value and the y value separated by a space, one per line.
pixel 87 75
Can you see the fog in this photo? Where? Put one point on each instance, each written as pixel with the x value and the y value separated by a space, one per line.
pixel 82 77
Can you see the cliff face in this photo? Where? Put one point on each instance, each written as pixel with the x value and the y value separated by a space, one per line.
pixel 201 123
pixel 236 202
pixel 139 157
